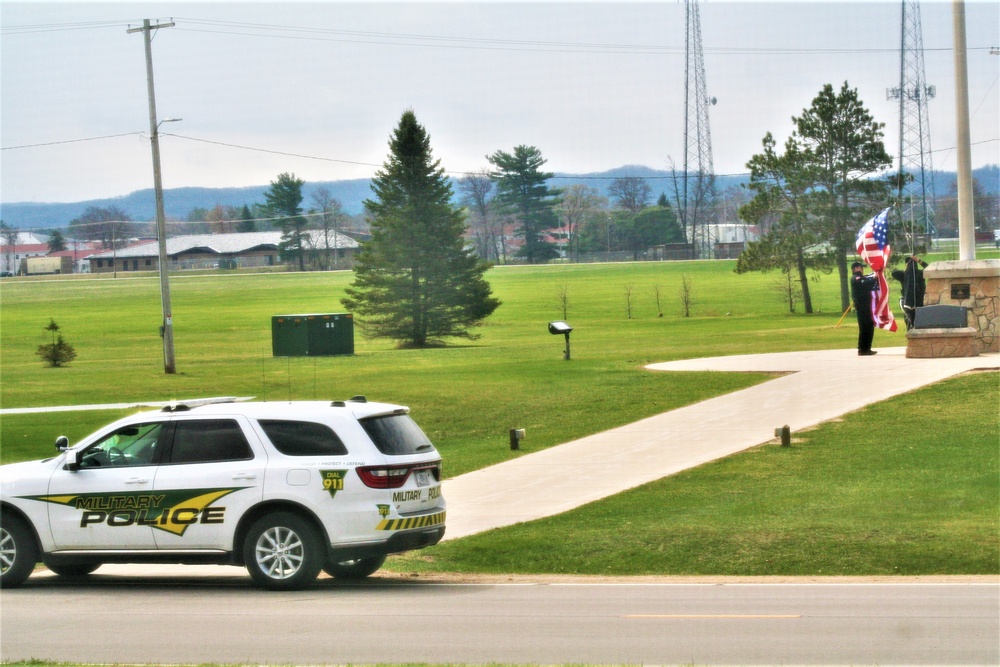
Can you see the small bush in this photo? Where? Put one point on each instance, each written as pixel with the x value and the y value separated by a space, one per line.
pixel 58 352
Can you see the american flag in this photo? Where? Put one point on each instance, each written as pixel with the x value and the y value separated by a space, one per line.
pixel 873 246
pixel 873 241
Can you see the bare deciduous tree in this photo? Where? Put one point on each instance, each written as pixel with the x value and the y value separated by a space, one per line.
pixel 478 190
pixel 326 239
pixel 580 204
pixel 562 296
pixel 658 297
pixel 685 294
pixel 631 193
pixel 788 287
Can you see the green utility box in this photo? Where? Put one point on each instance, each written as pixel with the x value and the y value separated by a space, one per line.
pixel 312 335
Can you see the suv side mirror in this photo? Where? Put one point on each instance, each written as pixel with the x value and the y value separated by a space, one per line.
pixel 62 443
pixel 72 462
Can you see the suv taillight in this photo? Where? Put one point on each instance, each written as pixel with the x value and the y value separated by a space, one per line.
pixel 393 477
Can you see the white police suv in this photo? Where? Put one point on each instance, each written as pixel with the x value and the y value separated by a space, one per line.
pixel 286 489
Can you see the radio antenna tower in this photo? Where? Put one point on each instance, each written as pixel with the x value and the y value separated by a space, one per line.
pixel 916 196
pixel 699 174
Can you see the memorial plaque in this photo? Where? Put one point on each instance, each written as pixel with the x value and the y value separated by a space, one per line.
pixel 960 291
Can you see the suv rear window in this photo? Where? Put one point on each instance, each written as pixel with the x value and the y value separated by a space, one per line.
pixel 293 438
pixel 396 435
pixel 207 440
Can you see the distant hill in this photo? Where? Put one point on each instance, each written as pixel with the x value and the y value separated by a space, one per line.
pixel 179 202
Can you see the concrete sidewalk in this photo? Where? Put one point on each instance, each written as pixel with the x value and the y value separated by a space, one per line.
pixel 820 385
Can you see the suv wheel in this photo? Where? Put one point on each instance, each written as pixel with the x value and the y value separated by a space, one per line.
pixel 354 569
pixel 18 551
pixel 283 552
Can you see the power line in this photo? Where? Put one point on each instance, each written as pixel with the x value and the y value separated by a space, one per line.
pixel 245 29
pixel 269 151
pixel 71 141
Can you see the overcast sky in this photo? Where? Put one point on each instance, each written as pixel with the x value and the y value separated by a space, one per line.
pixel 316 88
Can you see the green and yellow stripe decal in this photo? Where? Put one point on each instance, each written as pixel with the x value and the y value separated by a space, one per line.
pixel 413 522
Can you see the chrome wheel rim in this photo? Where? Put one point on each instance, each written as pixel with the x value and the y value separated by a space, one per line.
pixel 8 551
pixel 279 552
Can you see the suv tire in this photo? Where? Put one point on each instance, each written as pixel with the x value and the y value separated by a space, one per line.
pixel 71 569
pixel 283 552
pixel 18 551
pixel 354 569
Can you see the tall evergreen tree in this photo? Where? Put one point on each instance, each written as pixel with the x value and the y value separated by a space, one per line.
pixel 781 183
pixel 844 150
pixel 819 191
pixel 523 194
pixel 57 242
pixel 283 200
pixel 247 223
pixel 415 281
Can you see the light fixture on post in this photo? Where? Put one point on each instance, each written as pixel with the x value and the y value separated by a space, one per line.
pixel 560 327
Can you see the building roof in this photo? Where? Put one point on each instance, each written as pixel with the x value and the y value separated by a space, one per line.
pixel 220 244
pixel 33 249
pixel 25 238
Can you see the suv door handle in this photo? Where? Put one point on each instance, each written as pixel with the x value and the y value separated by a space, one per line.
pixel 137 480
pixel 244 475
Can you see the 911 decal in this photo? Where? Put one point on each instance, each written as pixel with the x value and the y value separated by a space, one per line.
pixel 170 511
pixel 333 480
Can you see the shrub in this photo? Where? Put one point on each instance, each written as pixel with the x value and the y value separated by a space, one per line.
pixel 58 352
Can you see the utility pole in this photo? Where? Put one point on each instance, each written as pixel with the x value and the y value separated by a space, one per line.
pixel 169 366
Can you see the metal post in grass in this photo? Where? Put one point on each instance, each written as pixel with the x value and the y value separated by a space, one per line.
pixel 556 328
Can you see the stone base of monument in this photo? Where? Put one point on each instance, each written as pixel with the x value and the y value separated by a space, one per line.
pixel 971 285
pixel 940 343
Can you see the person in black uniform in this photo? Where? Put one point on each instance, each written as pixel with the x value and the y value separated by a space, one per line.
pixel 862 288
pixel 913 285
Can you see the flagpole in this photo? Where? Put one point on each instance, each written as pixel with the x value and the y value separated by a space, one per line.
pixel 843 316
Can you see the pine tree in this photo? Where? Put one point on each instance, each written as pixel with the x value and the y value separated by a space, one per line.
pixel 284 199
pixel 843 146
pixel 523 194
pixel 415 281
pixel 58 352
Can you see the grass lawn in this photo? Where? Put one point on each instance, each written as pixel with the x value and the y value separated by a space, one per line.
pixel 466 396
pixel 769 505
pixel 905 487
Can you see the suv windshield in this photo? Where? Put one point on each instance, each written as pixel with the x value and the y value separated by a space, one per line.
pixel 396 435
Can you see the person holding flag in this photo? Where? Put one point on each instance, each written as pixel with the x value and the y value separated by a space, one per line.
pixel 870 293
pixel 863 288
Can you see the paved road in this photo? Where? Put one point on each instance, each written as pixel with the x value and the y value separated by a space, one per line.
pixel 114 619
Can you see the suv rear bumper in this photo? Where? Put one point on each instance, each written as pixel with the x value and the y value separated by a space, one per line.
pixel 401 541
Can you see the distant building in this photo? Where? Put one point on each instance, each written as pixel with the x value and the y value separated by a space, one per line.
pixel 79 253
pixel 12 257
pixel 212 251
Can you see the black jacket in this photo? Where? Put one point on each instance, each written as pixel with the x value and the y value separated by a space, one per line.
pixel 913 284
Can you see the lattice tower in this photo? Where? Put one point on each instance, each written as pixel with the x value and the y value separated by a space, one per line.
pixel 916 196
pixel 699 173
